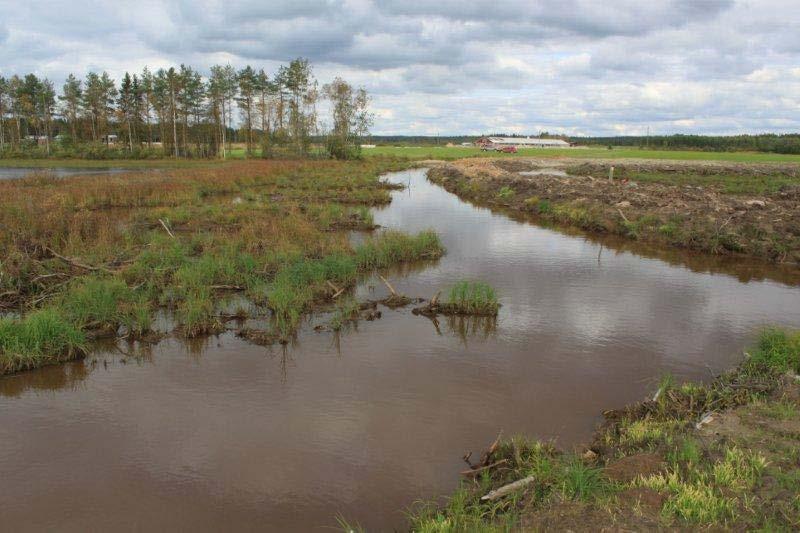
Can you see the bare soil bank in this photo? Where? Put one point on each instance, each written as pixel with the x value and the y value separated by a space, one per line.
pixel 647 200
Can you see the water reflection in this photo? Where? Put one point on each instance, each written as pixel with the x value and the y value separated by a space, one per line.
pixel 52 378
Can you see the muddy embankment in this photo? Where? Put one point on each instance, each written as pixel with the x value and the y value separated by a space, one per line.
pixel 675 211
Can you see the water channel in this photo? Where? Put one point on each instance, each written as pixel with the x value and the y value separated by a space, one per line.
pixel 220 434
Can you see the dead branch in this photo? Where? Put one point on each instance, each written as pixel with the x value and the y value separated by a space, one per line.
pixel 508 489
pixel 78 264
pixel 623 216
pixel 226 288
pixel 487 455
pixel 388 285
pixel 166 228
pixel 480 469
pixel 336 290
pixel 435 299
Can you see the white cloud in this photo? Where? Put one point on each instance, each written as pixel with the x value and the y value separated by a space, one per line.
pixel 457 66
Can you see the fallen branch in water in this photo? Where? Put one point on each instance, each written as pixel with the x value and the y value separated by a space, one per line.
pixel 388 285
pixel 480 469
pixel 487 455
pixel 336 290
pixel 508 489
pixel 395 299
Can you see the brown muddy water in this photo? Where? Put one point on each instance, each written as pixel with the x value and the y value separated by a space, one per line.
pixel 224 435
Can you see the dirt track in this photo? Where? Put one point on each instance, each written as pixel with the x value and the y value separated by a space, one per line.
pixel 698 217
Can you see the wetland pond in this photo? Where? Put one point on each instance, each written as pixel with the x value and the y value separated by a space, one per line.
pixel 220 434
pixel 60 172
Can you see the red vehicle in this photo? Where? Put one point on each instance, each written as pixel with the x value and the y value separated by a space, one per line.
pixel 509 149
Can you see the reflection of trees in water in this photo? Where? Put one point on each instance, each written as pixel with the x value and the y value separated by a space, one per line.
pixel 50 378
pixel 467 327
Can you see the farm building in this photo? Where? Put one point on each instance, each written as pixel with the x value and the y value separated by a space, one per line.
pixel 523 142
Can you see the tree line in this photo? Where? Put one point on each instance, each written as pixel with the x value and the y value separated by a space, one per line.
pixel 180 112
pixel 788 143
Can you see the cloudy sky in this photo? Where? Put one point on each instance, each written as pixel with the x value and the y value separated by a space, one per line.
pixel 591 67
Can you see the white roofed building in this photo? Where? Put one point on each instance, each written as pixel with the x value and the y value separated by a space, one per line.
pixel 526 142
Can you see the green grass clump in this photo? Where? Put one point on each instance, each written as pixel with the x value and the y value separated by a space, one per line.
pixel 392 247
pixel 40 338
pixel 777 350
pixel 505 193
pixel 105 303
pixel 346 312
pixel 697 502
pixel 580 481
pixel 473 298
pixel 196 314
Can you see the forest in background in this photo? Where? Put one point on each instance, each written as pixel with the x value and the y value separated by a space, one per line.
pixel 181 113
pixel 788 143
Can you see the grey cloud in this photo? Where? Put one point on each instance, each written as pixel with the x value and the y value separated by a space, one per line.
pixel 460 66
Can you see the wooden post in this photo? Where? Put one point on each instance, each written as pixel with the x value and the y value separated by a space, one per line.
pixel 611 174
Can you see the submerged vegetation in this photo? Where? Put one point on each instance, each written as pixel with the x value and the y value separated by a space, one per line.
pixel 718 455
pixel 99 255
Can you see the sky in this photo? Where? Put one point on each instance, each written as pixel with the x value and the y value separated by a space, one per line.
pixel 578 67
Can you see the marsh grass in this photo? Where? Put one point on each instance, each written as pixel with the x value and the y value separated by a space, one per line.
pixel 105 303
pixel 475 298
pixel 177 238
pixel 298 284
pixel 40 338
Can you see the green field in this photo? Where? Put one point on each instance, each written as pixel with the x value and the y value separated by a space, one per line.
pixel 458 152
pixel 430 152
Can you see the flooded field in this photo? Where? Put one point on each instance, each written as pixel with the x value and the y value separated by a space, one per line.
pixel 221 434
pixel 59 172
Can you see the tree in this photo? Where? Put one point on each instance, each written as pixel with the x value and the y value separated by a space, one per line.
pixel 264 106
pixel 167 85
pixel 146 102
pixel 71 96
pixel 126 106
pixel 301 86
pixel 45 101
pixel 15 87
pixel 3 108
pixel 351 118
pixel 98 100
pixel 191 98
pixel 248 87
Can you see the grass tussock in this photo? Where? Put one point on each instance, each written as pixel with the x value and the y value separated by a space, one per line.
pixel 473 298
pixel 43 337
pixel 741 473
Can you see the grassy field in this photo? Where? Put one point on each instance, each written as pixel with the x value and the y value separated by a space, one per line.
pixel 98 255
pixel 458 152
pixel 432 152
